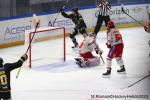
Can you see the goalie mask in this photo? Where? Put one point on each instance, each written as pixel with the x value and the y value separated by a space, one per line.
pixel 1 62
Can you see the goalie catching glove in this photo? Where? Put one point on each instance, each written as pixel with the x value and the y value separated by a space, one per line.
pixel 98 50
pixel 24 57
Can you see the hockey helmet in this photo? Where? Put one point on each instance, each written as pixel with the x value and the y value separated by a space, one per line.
pixel 110 24
pixel 1 61
pixel 75 9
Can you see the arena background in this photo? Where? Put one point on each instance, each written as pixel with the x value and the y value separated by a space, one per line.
pixel 16 15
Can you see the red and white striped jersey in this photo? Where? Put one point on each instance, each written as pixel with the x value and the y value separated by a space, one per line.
pixel 87 45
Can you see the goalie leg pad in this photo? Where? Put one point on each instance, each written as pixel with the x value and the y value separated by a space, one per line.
pixel 88 63
pixel 94 61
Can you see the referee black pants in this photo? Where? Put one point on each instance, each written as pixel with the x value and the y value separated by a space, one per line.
pixel 99 23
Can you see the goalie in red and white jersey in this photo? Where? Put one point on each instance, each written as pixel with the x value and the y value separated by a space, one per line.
pixel 85 50
pixel 115 45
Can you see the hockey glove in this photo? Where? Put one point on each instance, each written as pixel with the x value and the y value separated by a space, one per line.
pixel 97 50
pixel 24 57
pixel 108 45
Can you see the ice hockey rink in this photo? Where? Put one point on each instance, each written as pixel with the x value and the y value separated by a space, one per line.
pixel 66 81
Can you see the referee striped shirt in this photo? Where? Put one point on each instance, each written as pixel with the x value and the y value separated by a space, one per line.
pixel 104 8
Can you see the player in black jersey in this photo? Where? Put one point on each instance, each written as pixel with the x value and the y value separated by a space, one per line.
pixel 5 69
pixel 80 25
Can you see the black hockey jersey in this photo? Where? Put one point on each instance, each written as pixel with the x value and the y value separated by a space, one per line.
pixel 76 18
pixel 5 75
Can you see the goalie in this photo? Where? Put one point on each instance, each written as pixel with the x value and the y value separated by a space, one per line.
pixel 87 59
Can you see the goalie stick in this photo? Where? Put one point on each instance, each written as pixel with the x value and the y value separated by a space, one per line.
pixel 131 16
pixel 37 24
pixel 102 58
pixel 59 12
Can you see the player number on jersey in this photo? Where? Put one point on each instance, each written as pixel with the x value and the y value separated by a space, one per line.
pixel 3 79
pixel 118 37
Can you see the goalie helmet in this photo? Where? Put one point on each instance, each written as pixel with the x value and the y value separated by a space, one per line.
pixel 75 9
pixel 110 24
pixel 1 61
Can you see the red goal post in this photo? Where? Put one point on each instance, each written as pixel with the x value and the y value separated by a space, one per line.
pixel 49 33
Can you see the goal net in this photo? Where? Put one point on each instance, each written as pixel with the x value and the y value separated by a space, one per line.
pixel 47 46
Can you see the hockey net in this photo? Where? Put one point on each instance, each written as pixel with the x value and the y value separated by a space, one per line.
pixel 47 46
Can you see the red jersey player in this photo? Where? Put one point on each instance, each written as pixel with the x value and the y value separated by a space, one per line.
pixel 115 45
pixel 147 26
pixel 85 50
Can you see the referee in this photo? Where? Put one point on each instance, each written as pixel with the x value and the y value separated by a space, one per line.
pixel 104 8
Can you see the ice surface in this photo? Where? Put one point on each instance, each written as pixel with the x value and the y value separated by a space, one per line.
pixel 66 81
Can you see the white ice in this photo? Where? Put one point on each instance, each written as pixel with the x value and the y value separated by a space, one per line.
pixel 66 81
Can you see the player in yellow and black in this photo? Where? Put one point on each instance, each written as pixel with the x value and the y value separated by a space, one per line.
pixel 5 69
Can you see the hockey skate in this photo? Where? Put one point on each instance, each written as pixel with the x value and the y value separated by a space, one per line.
pixel 122 70
pixel 82 63
pixel 75 46
pixel 107 73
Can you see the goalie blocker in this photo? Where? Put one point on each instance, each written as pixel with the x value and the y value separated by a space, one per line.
pixel 87 59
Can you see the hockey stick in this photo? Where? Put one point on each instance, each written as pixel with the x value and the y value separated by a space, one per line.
pixel 102 58
pixel 131 16
pixel 28 47
pixel 138 81
pixel 59 12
